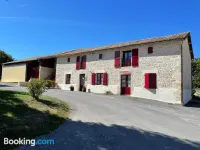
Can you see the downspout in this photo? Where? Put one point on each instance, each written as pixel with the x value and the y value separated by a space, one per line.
pixel 26 74
pixel 182 74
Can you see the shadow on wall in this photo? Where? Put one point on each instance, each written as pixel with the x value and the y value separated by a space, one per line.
pixel 77 135
pixel 152 90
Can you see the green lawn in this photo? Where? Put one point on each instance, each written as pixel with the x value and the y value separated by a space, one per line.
pixel 21 116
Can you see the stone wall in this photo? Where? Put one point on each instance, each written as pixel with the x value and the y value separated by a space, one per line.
pixel 187 73
pixel 165 61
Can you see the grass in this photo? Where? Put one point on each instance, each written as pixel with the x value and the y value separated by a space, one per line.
pixel 22 116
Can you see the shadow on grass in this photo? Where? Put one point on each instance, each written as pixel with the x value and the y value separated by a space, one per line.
pixel 48 103
pixel 17 119
pixel 77 135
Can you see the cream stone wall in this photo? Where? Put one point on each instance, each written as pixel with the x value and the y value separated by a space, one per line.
pixel 165 61
pixel 187 73
pixel 14 73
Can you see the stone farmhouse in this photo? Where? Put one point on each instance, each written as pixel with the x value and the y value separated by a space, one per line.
pixel 155 68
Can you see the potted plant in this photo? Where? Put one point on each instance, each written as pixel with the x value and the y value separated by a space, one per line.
pixel 84 88
pixel 71 88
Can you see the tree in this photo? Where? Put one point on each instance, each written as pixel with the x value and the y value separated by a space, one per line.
pixel 196 72
pixel 4 57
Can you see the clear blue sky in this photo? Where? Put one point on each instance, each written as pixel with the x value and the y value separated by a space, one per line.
pixel 38 27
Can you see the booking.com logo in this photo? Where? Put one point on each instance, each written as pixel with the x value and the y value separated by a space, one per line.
pixel 32 142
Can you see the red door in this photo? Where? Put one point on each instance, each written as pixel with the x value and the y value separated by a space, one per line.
pixel 126 84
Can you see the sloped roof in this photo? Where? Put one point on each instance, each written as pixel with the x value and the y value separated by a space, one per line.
pixel 136 42
pixel 124 44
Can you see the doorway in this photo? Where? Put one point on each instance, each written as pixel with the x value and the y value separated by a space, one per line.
pixel 125 84
pixel 82 83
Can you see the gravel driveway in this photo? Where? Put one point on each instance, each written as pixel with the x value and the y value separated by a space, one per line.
pixel 115 123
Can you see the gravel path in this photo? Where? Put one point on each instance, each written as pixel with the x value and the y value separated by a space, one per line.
pixel 115 123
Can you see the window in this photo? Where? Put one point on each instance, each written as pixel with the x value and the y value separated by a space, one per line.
pixel 99 78
pixel 126 60
pixel 83 62
pixel 67 78
pixel 100 56
pixel 135 58
pixel 68 59
pixel 117 59
pixel 150 81
pixel 150 50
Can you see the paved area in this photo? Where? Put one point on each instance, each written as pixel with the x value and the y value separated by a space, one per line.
pixel 115 123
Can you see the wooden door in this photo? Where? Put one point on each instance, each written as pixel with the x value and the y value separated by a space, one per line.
pixel 82 81
pixel 126 84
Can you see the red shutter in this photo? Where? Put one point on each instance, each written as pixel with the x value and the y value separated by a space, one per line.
pixel 93 78
pixel 146 80
pixel 150 50
pixel 105 79
pixel 153 80
pixel 117 59
pixel 135 57
pixel 83 62
pixel 77 62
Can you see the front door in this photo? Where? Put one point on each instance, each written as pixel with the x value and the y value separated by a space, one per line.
pixel 82 82
pixel 125 84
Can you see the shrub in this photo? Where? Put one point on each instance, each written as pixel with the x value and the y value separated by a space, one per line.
pixel 36 87
pixel 84 88
pixel 50 84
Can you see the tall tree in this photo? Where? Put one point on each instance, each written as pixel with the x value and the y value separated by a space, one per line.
pixel 196 72
pixel 4 57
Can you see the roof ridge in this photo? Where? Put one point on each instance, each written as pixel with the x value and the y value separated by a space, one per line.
pixel 134 42
pixel 110 46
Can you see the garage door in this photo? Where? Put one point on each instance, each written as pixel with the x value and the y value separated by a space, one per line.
pixel 14 73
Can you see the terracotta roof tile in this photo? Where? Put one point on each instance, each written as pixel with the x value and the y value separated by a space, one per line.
pixel 136 42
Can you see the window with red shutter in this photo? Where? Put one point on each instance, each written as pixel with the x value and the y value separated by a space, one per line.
pixel 77 62
pixel 135 57
pixel 117 59
pixel 93 78
pixel 150 50
pixel 146 80
pixel 105 79
pixel 83 62
pixel 150 81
